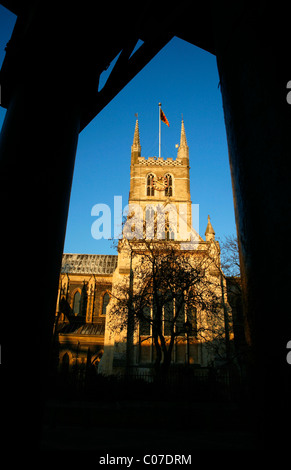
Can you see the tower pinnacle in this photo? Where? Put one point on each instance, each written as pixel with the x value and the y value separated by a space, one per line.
pixel 136 147
pixel 183 140
pixel 183 150
pixel 209 232
pixel 136 142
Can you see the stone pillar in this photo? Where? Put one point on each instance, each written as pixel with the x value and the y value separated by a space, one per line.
pixel 38 144
pixel 253 49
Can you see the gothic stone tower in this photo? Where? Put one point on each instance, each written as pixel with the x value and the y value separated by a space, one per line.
pixel 158 182
pixel 159 191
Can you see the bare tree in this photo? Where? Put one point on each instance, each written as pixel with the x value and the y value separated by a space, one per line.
pixel 170 294
pixel 230 264
pixel 230 256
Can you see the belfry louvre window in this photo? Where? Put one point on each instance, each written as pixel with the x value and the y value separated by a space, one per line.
pixel 150 187
pixel 169 187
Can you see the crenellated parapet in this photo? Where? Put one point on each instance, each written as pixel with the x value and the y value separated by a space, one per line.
pixel 159 161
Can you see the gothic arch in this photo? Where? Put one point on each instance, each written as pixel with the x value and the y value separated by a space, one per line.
pixel 169 191
pixel 150 191
pixel 66 359
pixel 105 302
pixel 76 292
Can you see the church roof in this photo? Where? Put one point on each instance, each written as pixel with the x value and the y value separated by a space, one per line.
pixel 84 329
pixel 88 264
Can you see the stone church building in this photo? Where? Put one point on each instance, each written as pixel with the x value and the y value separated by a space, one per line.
pixel 87 281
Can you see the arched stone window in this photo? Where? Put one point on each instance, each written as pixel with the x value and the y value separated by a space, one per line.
pixel 169 188
pixel 65 364
pixel 145 322
pixel 192 319
pixel 168 315
pixel 77 303
pixel 150 187
pixel 169 230
pixel 105 302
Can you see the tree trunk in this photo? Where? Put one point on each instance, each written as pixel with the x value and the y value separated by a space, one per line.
pixel 158 352
pixel 167 355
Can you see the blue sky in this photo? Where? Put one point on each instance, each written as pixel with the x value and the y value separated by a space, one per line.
pixel 185 80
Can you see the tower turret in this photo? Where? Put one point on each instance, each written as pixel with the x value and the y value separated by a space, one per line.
pixel 209 232
pixel 136 147
pixel 183 150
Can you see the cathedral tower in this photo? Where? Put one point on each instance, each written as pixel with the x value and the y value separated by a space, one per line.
pixel 156 182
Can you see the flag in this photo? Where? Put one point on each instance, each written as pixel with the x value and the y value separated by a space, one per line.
pixel 164 119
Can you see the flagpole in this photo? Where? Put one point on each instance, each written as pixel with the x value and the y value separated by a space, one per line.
pixel 160 104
